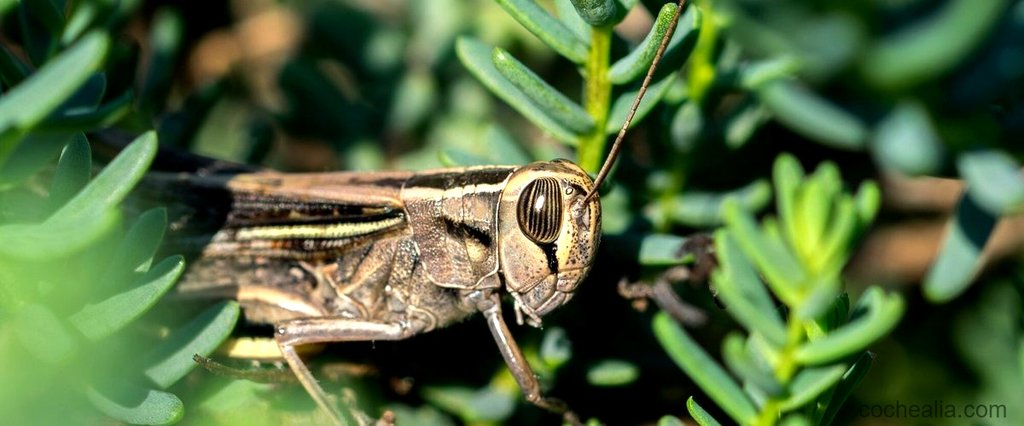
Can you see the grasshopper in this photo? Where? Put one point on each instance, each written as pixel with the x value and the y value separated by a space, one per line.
pixel 340 257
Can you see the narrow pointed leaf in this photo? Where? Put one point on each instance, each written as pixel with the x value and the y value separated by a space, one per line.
pixel 44 91
pixel 702 417
pixel 102 319
pixel 994 180
pixel 44 335
pixel 663 250
pixel 35 151
pixel 547 28
pixel 113 183
pixel 810 383
pixel 92 118
pixel 149 407
pixel 547 99
pixel 52 240
pixel 845 388
pixel 739 361
pixel 73 171
pixel 787 175
pixel 744 293
pixel 771 256
pixel 703 369
pixel 140 243
pixel 813 116
pixel 884 311
pixel 960 255
pixel 476 57
pixel 172 359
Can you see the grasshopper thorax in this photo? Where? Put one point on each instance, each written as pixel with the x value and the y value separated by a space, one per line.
pixel 548 234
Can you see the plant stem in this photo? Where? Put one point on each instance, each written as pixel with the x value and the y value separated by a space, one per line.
pixel 785 369
pixel 596 98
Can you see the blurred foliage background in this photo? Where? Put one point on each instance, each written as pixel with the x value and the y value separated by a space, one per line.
pixel 921 96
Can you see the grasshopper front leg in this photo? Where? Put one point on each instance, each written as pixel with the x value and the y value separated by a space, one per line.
pixel 323 330
pixel 490 305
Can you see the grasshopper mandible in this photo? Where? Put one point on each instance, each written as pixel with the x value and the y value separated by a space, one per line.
pixel 335 257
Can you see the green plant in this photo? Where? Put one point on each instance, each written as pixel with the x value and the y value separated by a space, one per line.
pixel 77 286
pixel 799 361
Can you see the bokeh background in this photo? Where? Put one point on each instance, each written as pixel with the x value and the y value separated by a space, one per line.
pixel 922 96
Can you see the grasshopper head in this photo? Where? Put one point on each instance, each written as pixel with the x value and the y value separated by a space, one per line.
pixel 548 234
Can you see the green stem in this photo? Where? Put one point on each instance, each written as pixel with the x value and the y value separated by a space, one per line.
pixel 785 369
pixel 596 97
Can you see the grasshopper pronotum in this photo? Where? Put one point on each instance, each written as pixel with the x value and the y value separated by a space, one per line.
pixel 334 257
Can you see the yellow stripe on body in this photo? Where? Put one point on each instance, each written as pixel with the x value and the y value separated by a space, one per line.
pixel 333 230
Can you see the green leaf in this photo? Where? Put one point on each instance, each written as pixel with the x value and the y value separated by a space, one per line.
pixel 812 115
pixel 809 383
pixel 165 42
pixel 622 104
pixel 73 171
pixel 139 245
pixel 906 140
pixel 12 69
pixel 548 29
pixel 598 13
pixel 612 372
pixel 39 330
pixel 883 313
pixel 867 202
pixel 488 404
pixel 92 118
pixel 35 98
pixel 744 293
pixel 743 364
pixel 112 184
pixel 701 209
pixel 146 407
pixel 959 257
pixel 454 157
pixel 703 369
pixel 102 319
pixel 34 152
pixel 547 99
pixel 663 250
pixel 502 148
pixel 52 240
pixel 567 16
pixel 476 57
pixel 784 273
pixel 933 46
pixel 87 96
pixel 845 388
pixel 702 417
pixel 635 64
pixel 787 174
pixel 556 348
pixel 172 359
pixel 993 180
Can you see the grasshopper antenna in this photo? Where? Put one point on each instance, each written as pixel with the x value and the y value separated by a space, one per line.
pixel 617 145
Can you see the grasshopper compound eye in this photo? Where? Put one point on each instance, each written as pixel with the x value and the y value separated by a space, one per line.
pixel 540 210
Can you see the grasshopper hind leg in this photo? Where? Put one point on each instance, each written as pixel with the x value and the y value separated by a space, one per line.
pixel 291 334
